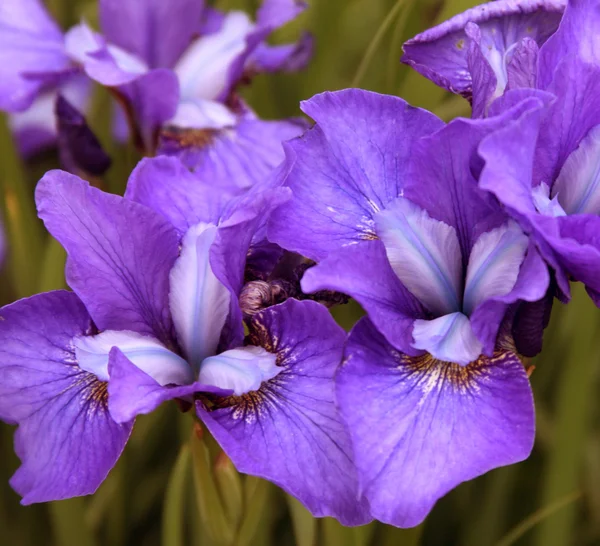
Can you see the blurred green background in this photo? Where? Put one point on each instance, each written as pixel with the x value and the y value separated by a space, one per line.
pixel 151 497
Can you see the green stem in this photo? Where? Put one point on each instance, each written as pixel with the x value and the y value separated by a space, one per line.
pixel 69 523
pixel 173 510
pixel 255 514
pixel 52 276
pixel 305 526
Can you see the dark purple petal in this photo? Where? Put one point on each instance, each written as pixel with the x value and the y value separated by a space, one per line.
pixel 529 323
pixel 154 30
pixel 576 37
pixel 165 185
pixel 32 53
pixel 80 150
pixel 346 169
pixel 289 431
pixel 237 157
pixel 442 53
pixel 424 426
pixel 364 273
pixel 132 392
pixel 120 254
pixel 485 83
pixel 66 440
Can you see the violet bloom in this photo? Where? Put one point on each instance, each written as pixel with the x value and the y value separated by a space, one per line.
pixel 552 189
pixel 385 198
pixel 486 50
pixel 155 316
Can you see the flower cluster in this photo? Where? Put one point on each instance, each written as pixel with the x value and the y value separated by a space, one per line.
pixel 208 282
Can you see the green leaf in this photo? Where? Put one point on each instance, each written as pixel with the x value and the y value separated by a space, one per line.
pixel 174 506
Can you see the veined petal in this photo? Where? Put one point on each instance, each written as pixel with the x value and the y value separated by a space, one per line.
pixel 199 302
pixel 289 431
pixel 347 168
pixel 544 205
pixel 120 253
pixel 66 440
pixel 449 338
pixel 241 370
pixel 148 354
pixel 494 265
pixel 424 426
pixel 578 184
pixel 203 68
pixel 424 253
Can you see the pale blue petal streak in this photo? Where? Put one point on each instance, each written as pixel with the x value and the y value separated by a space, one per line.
pixel 147 353
pixel 199 302
pixel 424 253
pixel 241 370
pixel 494 265
pixel 449 338
pixel 543 203
pixel 578 184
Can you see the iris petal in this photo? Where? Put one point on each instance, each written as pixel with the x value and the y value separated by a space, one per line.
pixel 494 265
pixel 147 353
pixel 424 253
pixel 199 302
pixel 449 338
pixel 242 370
pixel 578 184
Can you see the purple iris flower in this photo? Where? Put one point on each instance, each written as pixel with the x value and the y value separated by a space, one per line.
pixel 486 50
pixel 552 189
pixel 173 66
pixel 155 316
pixel 385 199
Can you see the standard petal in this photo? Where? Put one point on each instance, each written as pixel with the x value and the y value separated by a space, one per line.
pixel 32 53
pixel 449 338
pixel 289 431
pixel 441 53
pixel 148 354
pixel 155 31
pixel 241 370
pixel 199 302
pixel 237 157
pixel 346 169
pixel 577 37
pixel 66 440
pixel 424 253
pixel 120 254
pixel 165 185
pixel 364 273
pixel 425 426
pixel 494 265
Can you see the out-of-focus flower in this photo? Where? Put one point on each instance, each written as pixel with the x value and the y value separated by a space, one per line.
pixel 388 205
pixel 155 316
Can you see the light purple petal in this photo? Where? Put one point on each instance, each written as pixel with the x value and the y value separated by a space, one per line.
pixel 237 157
pixel 287 57
pixel 241 370
pixel 147 353
pixel 132 392
pixel 120 254
pixel 346 169
pixel 424 253
pixel 199 302
pixel 441 53
pixel 32 53
pixel 577 36
pixel 494 265
pixel 449 338
pixel 66 440
pixel 165 185
pixel 364 273
pixel 289 431
pixel 523 67
pixel 425 426
pixel 154 30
